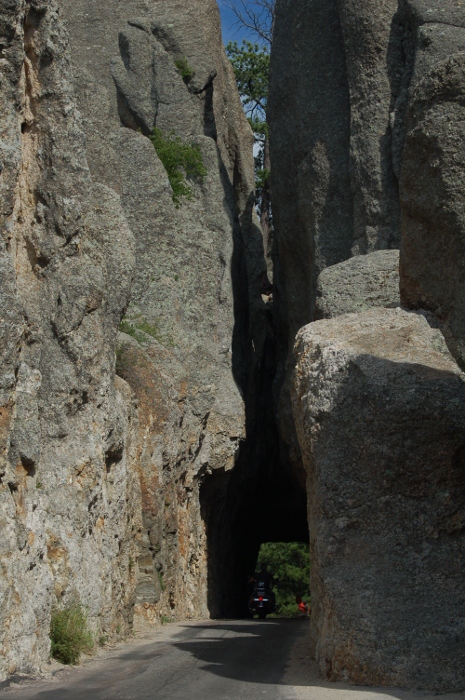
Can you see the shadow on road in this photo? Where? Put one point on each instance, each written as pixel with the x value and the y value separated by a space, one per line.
pixel 243 657
pixel 272 660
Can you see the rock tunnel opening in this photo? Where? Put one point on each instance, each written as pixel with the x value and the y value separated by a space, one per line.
pixel 288 565
pixel 262 501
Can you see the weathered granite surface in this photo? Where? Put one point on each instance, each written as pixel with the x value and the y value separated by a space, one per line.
pixel 100 478
pixel 432 260
pixel 195 302
pixel 350 84
pixel 335 66
pixel 367 126
pixel 69 498
pixel 359 284
pixel 379 406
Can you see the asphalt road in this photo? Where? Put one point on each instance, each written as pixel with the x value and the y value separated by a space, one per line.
pixel 212 660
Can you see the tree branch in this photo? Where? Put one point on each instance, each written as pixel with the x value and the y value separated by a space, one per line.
pixel 255 15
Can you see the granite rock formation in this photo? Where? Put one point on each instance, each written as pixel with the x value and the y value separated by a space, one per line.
pixel 195 304
pixel 349 87
pixel 141 464
pixel 379 405
pixel 331 97
pixel 70 499
pixel 366 138
pixel 108 437
pixel 359 284
pixel 433 175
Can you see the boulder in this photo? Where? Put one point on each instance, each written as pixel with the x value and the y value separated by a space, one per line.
pixel 379 406
pixel 359 284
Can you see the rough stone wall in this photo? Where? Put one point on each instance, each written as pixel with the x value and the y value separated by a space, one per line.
pixel 379 405
pixel 198 268
pixel 69 497
pixel 334 82
pixel 432 178
pixel 110 439
pixel 366 118
pixel 358 284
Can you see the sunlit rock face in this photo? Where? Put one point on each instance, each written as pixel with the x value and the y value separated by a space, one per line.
pixel 196 263
pixel 379 406
pixel 358 284
pixel 107 437
pixel 70 499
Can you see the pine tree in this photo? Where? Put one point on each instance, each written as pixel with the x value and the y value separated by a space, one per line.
pixel 251 65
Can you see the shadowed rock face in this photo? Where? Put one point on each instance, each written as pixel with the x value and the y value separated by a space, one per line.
pixel 350 85
pixel 432 183
pixel 367 126
pixel 334 78
pixel 70 499
pixel 379 406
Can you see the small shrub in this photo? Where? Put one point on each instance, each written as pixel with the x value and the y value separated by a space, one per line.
pixel 130 329
pixel 69 634
pixel 290 564
pixel 187 73
pixel 136 331
pixel 149 328
pixel 165 620
pixel 102 641
pixel 180 160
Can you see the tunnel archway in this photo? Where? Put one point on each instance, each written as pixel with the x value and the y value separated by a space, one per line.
pixel 262 500
pixel 274 509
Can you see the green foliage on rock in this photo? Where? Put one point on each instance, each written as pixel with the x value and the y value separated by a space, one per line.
pixel 181 161
pixel 262 176
pixel 187 73
pixel 139 329
pixel 289 563
pixel 69 634
pixel 131 329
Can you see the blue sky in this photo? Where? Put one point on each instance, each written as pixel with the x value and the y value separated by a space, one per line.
pixel 231 33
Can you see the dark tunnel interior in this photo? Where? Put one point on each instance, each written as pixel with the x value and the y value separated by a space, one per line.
pixel 261 500
pixel 259 505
